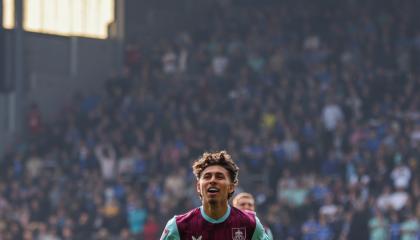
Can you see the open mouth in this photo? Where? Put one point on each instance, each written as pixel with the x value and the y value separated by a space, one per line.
pixel 213 190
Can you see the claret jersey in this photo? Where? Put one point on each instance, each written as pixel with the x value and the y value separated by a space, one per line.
pixel 197 225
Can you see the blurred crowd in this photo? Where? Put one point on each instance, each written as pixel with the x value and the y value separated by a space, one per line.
pixel 317 102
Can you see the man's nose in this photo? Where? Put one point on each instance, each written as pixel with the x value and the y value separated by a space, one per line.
pixel 213 178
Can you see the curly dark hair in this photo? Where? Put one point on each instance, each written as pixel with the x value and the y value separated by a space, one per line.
pixel 222 159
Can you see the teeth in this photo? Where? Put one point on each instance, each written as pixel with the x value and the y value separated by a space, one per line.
pixel 213 189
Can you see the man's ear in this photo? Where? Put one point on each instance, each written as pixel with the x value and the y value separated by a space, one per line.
pixel 197 187
pixel 232 187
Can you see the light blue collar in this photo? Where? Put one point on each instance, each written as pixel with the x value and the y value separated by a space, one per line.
pixel 211 220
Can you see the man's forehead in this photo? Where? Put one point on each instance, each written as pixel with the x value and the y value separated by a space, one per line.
pixel 215 169
pixel 246 199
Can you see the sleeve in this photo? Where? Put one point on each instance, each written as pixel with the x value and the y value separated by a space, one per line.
pixel 269 233
pixel 259 233
pixel 171 231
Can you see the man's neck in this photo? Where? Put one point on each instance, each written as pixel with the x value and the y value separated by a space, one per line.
pixel 216 210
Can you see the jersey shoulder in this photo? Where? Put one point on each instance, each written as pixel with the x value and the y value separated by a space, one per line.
pixel 188 216
pixel 171 231
pixel 175 226
pixel 245 216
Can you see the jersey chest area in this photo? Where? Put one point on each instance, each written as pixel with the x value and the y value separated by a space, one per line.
pixel 203 230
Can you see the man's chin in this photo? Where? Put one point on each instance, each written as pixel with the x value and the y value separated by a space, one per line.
pixel 211 199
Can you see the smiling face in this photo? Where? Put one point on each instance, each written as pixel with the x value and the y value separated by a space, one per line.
pixel 214 185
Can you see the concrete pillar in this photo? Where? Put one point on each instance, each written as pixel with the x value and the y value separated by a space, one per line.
pixel 17 124
pixel 120 33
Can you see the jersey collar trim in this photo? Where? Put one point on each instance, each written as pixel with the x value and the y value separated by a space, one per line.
pixel 211 220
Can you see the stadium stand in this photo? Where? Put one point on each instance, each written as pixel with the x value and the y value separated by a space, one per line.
pixel 316 100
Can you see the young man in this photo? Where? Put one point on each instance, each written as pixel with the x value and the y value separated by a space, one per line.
pixel 245 201
pixel 217 177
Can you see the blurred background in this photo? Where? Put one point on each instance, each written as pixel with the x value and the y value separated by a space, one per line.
pixel 104 105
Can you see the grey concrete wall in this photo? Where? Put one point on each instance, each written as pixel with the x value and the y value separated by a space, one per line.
pixel 57 67
pixel 148 21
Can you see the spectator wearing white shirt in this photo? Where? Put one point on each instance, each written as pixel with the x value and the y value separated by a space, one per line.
pixel 401 176
pixel 384 200
pixel 329 209
pixel 107 158
pixel 331 115
pixel 169 61
pixel 399 199
pixel 220 63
